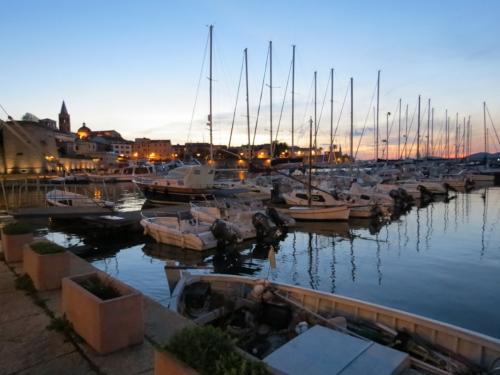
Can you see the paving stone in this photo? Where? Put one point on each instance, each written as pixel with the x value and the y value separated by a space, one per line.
pixel 136 359
pixel 72 363
pixel 15 305
pixel 26 342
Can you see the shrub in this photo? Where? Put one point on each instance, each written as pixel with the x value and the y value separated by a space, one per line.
pixel 211 352
pixel 25 283
pixel 46 247
pixel 17 228
pixel 102 289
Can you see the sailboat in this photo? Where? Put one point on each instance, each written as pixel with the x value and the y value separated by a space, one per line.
pixel 316 213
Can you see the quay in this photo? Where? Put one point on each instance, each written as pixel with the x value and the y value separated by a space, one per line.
pixel 28 346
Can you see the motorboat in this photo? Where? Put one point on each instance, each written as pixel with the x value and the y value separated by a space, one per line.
pixel 62 198
pixel 183 232
pixel 295 330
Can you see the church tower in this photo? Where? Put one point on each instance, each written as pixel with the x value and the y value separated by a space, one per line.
pixel 64 122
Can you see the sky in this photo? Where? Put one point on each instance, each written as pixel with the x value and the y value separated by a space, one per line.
pixel 136 66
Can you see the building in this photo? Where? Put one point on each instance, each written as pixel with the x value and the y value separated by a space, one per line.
pixel 64 119
pixel 155 149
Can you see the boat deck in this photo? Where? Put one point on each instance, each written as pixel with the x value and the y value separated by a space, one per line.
pixel 322 351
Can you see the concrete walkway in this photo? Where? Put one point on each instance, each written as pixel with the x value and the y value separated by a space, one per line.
pixel 28 347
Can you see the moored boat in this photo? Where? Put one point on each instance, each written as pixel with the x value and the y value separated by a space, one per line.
pixel 271 321
pixel 61 198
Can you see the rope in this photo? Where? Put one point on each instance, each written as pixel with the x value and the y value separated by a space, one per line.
pixel 198 89
pixel 321 112
pixel 366 121
pixel 340 114
pixel 492 124
pixel 236 104
pixel 283 103
pixel 260 102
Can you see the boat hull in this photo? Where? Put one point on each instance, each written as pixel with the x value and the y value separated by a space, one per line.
pixel 319 213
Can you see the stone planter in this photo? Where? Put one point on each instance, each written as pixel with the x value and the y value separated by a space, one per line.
pixel 12 246
pixel 46 270
pixel 105 325
pixel 168 364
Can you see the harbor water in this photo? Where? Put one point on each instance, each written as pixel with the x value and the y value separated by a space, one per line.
pixel 441 260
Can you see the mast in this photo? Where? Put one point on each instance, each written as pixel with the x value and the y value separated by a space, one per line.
pixel 378 111
pixel 271 98
pixel 399 130
pixel 248 104
pixel 315 108
pixel 406 131
pixel 447 134
pixel 387 137
pixel 352 121
pixel 432 131
pixel 428 127
pixel 293 99
pixel 463 139
pixel 331 117
pixel 484 127
pixel 418 130
pixel 210 122
pixel 456 137
pixel 310 161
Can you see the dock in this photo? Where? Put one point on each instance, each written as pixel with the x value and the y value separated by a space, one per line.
pixel 27 346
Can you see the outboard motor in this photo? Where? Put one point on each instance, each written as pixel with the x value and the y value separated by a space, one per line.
pixel 223 233
pixel 265 227
pixel 275 216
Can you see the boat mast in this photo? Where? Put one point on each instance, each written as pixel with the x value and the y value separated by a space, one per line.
pixel 331 117
pixel 271 99
pixel 456 136
pixel 418 130
pixel 447 134
pixel 315 108
pixel 293 99
pixel 378 110
pixel 310 162
pixel 428 127
pixel 406 132
pixel 432 131
pixel 484 127
pixel 248 105
pixel 352 121
pixel 399 130
pixel 210 123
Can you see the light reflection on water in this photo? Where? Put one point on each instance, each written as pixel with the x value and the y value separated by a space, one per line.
pixel 441 261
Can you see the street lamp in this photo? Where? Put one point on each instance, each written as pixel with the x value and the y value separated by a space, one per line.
pixel 387 138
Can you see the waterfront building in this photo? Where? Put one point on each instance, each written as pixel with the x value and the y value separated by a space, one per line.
pixel 153 149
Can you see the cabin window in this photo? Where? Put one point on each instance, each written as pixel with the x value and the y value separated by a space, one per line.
pixel 314 197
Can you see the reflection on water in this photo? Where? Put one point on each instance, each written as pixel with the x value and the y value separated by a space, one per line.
pixel 441 260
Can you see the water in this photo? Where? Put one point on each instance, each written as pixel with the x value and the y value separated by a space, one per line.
pixel 441 261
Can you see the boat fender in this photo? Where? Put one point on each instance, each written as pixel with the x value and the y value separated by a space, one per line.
pixel 301 327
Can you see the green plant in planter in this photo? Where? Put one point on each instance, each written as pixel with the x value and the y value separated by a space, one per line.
pixel 17 228
pixel 210 351
pixel 46 247
pixel 102 289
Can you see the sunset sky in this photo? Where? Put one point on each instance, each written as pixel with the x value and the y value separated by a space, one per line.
pixel 134 66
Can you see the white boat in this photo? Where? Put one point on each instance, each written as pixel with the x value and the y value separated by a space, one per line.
pixel 61 198
pixel 295 330
pixel 359 208
pixel 182 184
pixel 315 213
pixel 176 231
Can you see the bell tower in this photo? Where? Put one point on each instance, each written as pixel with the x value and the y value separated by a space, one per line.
pixel 64 120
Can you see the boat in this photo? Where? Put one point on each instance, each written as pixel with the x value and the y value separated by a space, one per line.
pixel 317 213
pixel 295 330
pixel 61 198
pixel 181 231
pixel 182 184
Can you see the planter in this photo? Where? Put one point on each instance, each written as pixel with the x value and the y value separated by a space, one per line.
pixel 12 246
pixel 167 364
pixel 106 325
pixel 46 270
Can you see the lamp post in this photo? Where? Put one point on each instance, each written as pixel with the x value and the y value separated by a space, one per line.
pixel 387 137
